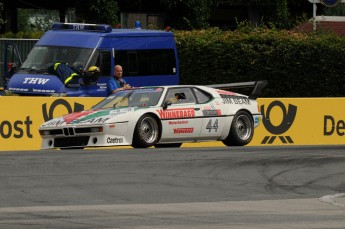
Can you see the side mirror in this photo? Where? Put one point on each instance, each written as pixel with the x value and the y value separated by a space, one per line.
pixel 166 104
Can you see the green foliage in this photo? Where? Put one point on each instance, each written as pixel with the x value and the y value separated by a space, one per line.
pixel 2 21
pixel 189 14
pixel 36 20
pixel 338 10
pixel 276 13
pixel 24 34
pixel 97 11
pixel 296 65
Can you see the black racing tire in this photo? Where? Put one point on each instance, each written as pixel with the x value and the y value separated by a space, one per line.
pixel 241 130
pixel 146 132
pixel 168 145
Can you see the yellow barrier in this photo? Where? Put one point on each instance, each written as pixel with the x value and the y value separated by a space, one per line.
pixel 286 121
pixel 20 118
pixel 301 121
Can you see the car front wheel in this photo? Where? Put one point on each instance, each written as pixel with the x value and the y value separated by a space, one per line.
pixel 146 132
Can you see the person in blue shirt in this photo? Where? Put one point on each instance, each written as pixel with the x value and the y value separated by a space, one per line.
pixel 117 83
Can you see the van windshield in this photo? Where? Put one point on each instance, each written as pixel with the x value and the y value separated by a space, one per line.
pixel 42 57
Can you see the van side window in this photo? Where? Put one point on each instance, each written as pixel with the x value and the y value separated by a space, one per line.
pixel 149 62
pixel 104 62
pixel 132 63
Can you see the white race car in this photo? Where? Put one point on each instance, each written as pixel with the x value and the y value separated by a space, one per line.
pixel 161 116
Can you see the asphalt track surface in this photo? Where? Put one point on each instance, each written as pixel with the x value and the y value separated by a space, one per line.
pixel 204 188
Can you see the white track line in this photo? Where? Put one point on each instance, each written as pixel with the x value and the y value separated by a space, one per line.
pixel 331 199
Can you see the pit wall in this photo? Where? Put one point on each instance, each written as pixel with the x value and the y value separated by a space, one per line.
pixel 286 121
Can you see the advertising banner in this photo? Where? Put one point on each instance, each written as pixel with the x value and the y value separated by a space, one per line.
pixel 286 121
pixel 20 118
pixel 301 121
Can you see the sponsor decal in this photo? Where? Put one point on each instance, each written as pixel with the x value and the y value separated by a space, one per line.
pixel 18 89
pixel 93 117
pixel 43 90
pixel 227 101
pixel 222 92
pixel 55 122
pixel 212 112
pixel 257 120
pixel 210 107
pixel 236 100
pixel 188 130
pixel 114 140
pixel 121 111
pixel 17 129
pixel 93 120
pixel 287 121
pixel 180 122
pixel 101 86
pixel 176 113
pixel 29 80
pixel 331 126
pixel 71 117
pixel 241 100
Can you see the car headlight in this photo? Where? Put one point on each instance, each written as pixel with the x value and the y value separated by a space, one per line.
pixel 44 132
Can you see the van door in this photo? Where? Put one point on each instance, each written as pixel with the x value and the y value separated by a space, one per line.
pixel 12 62
pixel 98 86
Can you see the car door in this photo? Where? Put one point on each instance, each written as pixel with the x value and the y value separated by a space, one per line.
pixel 182 120
pixel 215 119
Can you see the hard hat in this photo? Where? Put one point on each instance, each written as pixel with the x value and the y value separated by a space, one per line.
pixel 93 69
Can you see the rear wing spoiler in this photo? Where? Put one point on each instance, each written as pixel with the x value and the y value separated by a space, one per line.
pixel 257 86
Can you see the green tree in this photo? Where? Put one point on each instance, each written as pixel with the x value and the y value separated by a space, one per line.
pixel 277 13
pixel 36 19
pixel 97 11
pixel 2 21
pixel 338 10
pixel 189 14
pixel 280 14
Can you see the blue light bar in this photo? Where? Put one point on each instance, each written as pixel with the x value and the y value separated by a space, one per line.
pixel 82 27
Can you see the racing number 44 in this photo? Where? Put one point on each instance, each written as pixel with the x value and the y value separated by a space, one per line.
pixel 211 126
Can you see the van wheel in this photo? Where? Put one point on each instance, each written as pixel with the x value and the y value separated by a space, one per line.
pixel 168 145
pixel 146 132
pixel 241 130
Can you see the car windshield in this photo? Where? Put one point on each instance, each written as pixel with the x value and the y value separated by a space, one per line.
pixel 43 57
pixel 140 97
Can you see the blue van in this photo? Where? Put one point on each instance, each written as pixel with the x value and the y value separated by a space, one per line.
pixel 148 58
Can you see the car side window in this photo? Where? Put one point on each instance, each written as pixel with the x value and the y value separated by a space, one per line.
pixel 180 96
pixel 202 96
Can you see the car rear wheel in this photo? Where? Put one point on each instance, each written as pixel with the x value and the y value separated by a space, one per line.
pixel 241 130
pixel 146 132
pixel 168 145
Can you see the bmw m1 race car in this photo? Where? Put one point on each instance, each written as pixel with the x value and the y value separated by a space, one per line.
pixel 160 116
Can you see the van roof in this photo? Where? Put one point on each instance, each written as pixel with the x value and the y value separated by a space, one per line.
pixel 91 38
